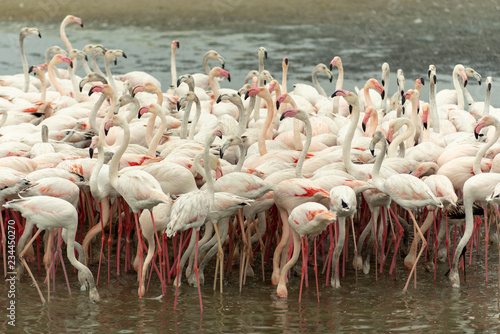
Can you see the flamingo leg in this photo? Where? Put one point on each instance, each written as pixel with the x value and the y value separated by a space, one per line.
pixel 196 269
pixel 102 243
pixel 178 273
pixel 303 271
pixel 316 270
pixel 262 252
pixel 160 254
pixel 422 249
pixel 139 239
pixel 220 259
pixel 119 239
pixel 21 257
pixel 109 238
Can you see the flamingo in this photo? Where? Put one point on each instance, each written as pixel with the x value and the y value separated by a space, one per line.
pixel 479 187
pixel 190 211
pixel 48 213
pixel 307 219
pixel 25 32
pixel 138 188
pixel 406 190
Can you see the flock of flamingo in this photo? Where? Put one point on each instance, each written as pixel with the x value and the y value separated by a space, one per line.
pixel 258 170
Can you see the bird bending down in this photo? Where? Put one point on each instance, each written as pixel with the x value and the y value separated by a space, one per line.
pixel 48 213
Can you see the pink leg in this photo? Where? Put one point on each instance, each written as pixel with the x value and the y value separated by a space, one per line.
pixel 303 271
pixel 139 239
pixel 4 245
pixel 102 244
pixel 160 254
pixel 196 268
pixel 486 240
pixel 316 269
pixel 109 239
pixel 330 252
pixel 178 274
pixel 119 240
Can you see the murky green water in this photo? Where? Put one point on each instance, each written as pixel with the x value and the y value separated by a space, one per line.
pixel 408 35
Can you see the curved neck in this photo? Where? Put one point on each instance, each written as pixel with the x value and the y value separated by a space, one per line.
pixel 242 119
pixel 205 64
pixel 79 97
pixel 93 114
pixel 158 135
pixel 346 145
pixel 377 180
pixel 385 79
pixel 373 124
pixel 93 63
pixel 476 165
pixel 410 131
pixel 410 141
pixel 213 85
pixel 284 88
pixel 111 81
pixel 315 82
pixel 265 126
pixel 41 76
pixel 208 173
pixel 192 130
pixel 250 108
pixel 458 89
pixel 53 79
pixel 307 144
pixel 368 99
pixel 86 67
pixel 25 65
pixel 243 154
pixel 113 164
pixel 64 38
pixel 93 182
pixel 132 113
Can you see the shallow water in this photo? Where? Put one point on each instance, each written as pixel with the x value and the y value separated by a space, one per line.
pixel 368 305
pixel 407 35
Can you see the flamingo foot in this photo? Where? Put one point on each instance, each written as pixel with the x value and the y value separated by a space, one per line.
pixel 454 278
pixel 282 291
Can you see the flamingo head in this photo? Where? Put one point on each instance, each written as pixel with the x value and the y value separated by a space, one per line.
pixel 263 52
pixel 108 125
pixel 175 45
pixel 218 133
pixel 74 19
pixel 285 62
pixel 93 145
pixel 484 122
pixel 411 93
pixel 368 113
pixel 137 89
pixel 419 83
pixel 29 31
pixel 62 59
pixel 143 110
pixel 272 85
pixel 425 114
pixel 390 135
pixel 471 73
pixel 281 99
pixel 252 92
pixel 461 71
pixel 350 97
pixel 289 113
pixel 335 62
pixel 212 54
pixel 97 89
pixel 374 84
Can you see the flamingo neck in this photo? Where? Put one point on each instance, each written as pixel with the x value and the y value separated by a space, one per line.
pixel 373 124
pixel 410 141
pixel 208 173
pixel 113 164
pixel 93 114
pixel 315 82
pixel 111 81
pixel 158 135
pixel 93 63
pixel 25 65
pixel 185 119
pixel 486 107
pixel 476 165
pixel 53 79
pixel 346 145
pixel 242 119
pixel 265 126
pixel 132 113
pixel 194 123
pixel 243 154
pixel 338 85
pixel 284 88
pixel 86 67
pixel 93 182
pixel 378 182
pixel 173 69
pixel 410 131
pixel 307 144
pixel 213 85
pixel 368 99
pixel 458 89
pixel 433 106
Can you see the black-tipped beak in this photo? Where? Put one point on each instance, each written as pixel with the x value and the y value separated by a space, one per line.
pixel 383 82
pixel 422 81
pixel 178 44
pixel 372 152
pixel 229 77
pixel 479 82
pixel 222 66
pixel 218 100
pixel 91 152
pixel 383 94
pixel 331 66
pixel 286 61
pixel 476 134
pixel 403 99
pixel 106 131
pixel 403 110
pixel 429 74
pixel 179 105
pixel 489 86
pixel 81 25
pixel 265 54
pixel 435 79
pixel 465 83
pixel 282 116
pixel 363 126
pixel 71 64
pixel 86 58
pixel 178 82
pixel 350 109
pixel 331 78
pixel 39 35
pixel 277 105
pixel 30 69
pixel 124 55
pixel 91 91
pixel 116 62
pixel 247 95
pixel 425 125
pixel 388 141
